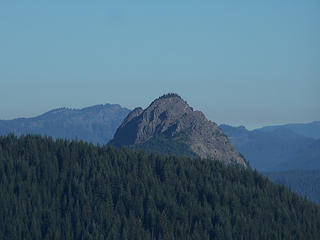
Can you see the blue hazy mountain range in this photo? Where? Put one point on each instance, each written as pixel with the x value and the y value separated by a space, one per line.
pixel 304 182
pixel 95 124
pixel 286 153
pixel 277 148
pixel 307 129
pixel 272 148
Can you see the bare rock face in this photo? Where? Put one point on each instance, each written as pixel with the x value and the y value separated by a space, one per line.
pixel 172 119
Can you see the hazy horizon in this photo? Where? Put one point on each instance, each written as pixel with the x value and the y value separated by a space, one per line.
pixel 235 124
pixel 240 63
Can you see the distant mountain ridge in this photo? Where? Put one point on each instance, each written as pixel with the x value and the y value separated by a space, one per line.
pixel 304 182
pixel 170 125
pixel 305 129
pixel 95 124
pixel 275 148
pixel 271 148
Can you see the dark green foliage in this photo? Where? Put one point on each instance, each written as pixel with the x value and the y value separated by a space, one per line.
pixel 75 190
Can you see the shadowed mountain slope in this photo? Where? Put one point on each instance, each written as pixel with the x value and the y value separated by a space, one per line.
pixel 304 182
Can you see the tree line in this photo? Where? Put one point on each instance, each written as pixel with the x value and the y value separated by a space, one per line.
pixel 60 189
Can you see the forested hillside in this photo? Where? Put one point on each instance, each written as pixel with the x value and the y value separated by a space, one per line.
pixel 75 190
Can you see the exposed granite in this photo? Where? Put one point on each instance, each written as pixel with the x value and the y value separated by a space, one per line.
pixel 172 118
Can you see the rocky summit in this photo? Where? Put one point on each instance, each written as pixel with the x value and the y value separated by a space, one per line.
pixel 170 125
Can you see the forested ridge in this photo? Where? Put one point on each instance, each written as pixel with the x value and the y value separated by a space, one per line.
pixel 60 189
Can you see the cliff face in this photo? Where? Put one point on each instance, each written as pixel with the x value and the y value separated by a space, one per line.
pixel 171 118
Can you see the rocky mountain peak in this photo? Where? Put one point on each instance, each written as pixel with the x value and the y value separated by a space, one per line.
pixel 172 104
pixel 170 119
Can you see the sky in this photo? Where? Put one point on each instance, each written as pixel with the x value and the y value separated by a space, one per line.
pixel 251 63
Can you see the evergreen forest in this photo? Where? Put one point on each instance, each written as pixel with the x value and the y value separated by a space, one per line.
pixel 61 189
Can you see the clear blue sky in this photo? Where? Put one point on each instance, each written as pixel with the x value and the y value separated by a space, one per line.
pixel 240 62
